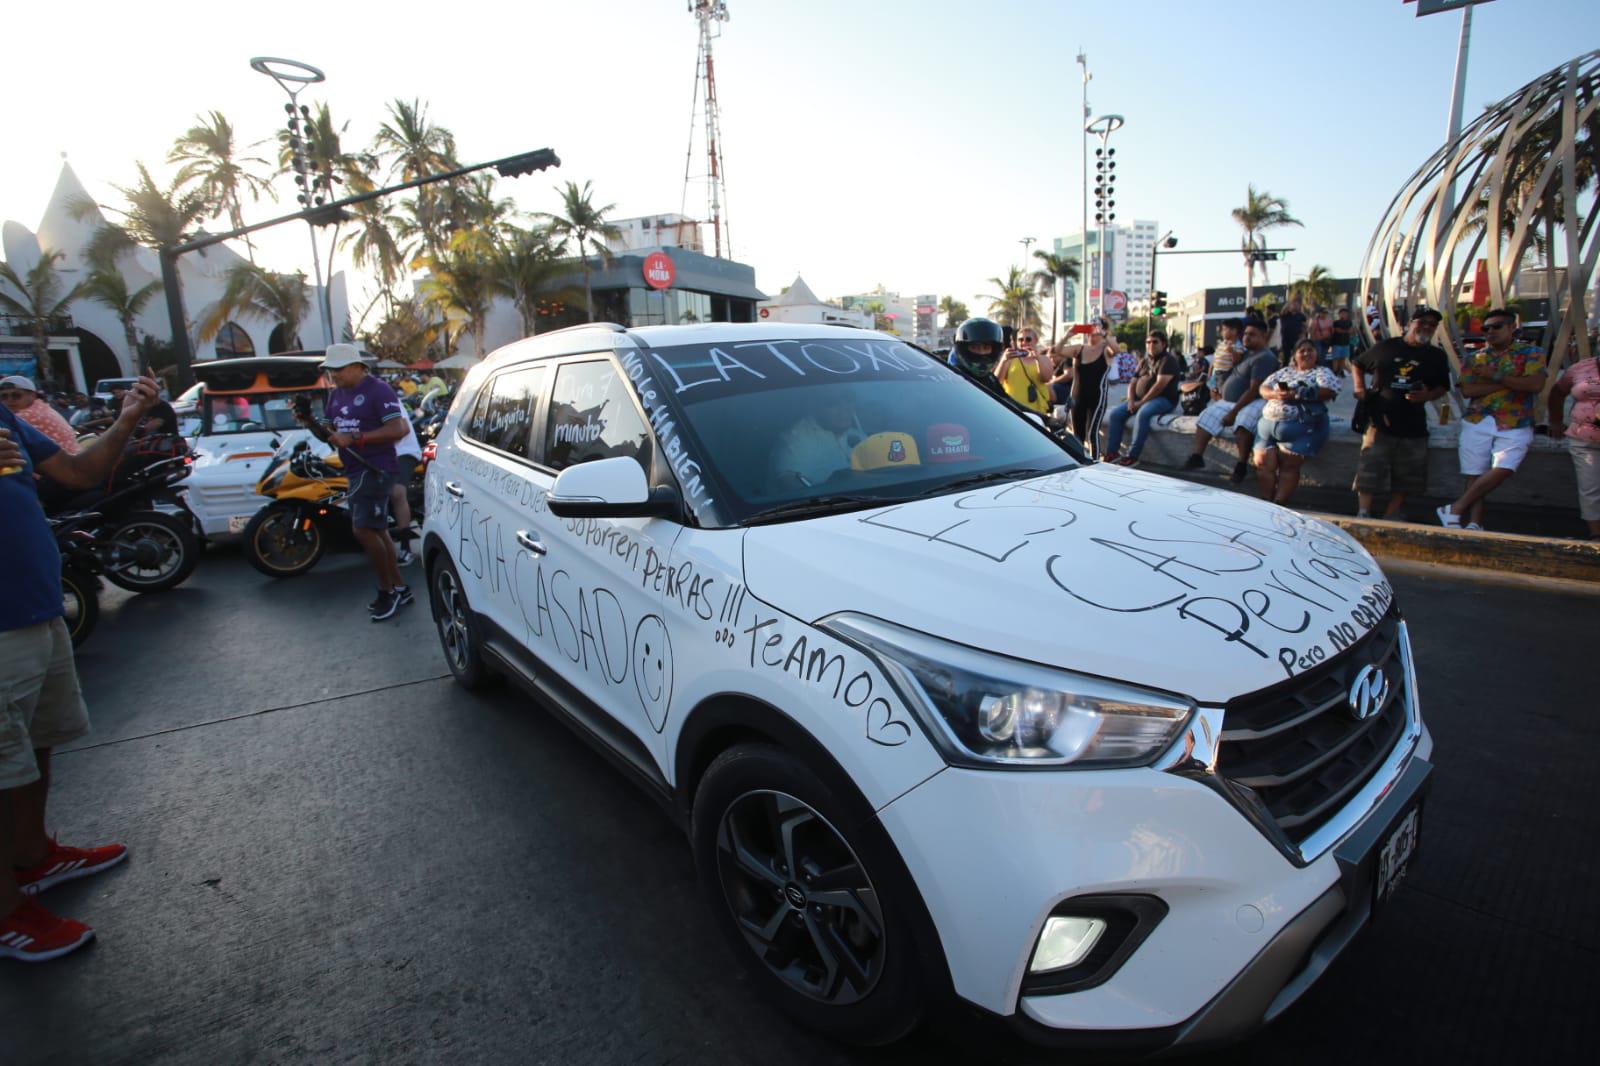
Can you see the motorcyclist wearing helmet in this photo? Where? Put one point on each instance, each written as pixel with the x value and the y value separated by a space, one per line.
pixel 978 344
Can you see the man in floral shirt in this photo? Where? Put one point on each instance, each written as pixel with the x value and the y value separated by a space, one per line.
pixel 1500 384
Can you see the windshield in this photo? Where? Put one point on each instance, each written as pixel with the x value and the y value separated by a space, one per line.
pixel 838 423
pixel 253 413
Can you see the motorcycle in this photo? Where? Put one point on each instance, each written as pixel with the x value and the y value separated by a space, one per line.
pixel 80 575
pixel 288 536
pixel 144 537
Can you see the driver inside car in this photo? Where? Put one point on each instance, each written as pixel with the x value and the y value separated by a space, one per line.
pixel 817 446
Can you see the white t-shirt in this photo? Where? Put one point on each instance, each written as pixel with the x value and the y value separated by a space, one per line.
pixel 1292 378
pixel 408 444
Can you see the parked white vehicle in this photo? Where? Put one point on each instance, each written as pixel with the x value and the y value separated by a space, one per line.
pixel 243 415
pixel 950 716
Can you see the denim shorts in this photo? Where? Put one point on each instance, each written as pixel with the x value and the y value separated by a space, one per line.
pixel 369 500
pixel 1304 439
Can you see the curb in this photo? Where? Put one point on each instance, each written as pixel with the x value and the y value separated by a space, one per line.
pixel 1570 560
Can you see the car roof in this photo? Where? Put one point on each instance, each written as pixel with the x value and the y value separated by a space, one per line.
pixel 597 336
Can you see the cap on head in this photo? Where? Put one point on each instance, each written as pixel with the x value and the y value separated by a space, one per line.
pixel 1422 313
pixel 17 381
pixel 341 355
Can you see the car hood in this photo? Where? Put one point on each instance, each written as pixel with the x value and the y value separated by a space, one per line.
pixel 1102 570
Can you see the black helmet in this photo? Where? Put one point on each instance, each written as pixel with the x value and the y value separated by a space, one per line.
pixel 979 331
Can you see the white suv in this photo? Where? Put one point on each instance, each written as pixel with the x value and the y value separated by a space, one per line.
pixel 949 714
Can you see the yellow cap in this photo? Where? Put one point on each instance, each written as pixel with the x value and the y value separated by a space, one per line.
pixel 885 449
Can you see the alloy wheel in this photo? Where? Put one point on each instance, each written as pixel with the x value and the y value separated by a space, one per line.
pixel 450 615
pixel 145 552
pixel 801 898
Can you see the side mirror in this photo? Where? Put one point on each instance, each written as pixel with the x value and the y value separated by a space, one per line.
pixel 609 488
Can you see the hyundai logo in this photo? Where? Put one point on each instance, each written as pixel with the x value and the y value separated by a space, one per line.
pixel 795 895
pixel 1368 693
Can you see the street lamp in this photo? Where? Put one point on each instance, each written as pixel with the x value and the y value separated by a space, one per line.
pixel 293 76
pixel 1105 166
pixel 1083 229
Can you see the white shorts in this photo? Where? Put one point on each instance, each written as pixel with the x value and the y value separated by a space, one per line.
pixel 1484 444
pixel 1210 419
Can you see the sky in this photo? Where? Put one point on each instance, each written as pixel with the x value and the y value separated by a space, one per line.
pixel 908 143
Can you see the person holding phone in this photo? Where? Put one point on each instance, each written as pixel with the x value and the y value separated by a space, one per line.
pixel 1024 372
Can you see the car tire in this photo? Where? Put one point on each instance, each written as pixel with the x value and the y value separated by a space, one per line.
pixel 459 638
pixel 775 893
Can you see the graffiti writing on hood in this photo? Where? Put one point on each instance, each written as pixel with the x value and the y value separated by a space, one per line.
pixel 1268 582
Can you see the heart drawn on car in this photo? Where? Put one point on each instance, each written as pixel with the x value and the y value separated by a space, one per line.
pixel 883 727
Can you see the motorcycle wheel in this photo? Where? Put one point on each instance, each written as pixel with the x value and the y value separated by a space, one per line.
pixel 283 541
pixel 166 539
pixel 80 602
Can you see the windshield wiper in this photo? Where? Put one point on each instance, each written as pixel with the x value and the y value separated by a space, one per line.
pixel 815 505
pixel 993 476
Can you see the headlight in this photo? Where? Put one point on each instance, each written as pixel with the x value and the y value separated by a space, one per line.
pixel 986 709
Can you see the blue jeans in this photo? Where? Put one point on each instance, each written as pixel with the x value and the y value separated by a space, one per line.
pixel 1118 418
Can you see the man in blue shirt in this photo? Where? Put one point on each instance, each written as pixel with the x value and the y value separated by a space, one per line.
pixel 40 703
pixel 367 421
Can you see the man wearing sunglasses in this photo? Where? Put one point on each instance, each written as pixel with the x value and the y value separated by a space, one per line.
pixel 1500 383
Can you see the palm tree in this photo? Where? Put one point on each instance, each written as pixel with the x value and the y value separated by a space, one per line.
pixel 1015 301
pixel 1261 211
pixel 523 264
pixel 106 286
pixel 373 244
pixel 1055 270
pixel 212 165
pixel 251 290
pixel 154 217
pixel 1316 289
pixel 405 334
pixel 39 301
pixel 460 286
pixel 583 228
pixel 415 148
pixel 955 312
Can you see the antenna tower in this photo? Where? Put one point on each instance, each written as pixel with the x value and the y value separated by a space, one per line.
pixel 710 14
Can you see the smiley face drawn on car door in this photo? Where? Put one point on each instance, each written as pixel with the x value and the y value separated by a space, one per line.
pixel 652 669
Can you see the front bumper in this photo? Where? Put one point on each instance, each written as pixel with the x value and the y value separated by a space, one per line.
pixel 1247 931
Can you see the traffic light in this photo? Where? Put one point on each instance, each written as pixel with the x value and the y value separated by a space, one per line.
pixel 1158 304
pixel 527 163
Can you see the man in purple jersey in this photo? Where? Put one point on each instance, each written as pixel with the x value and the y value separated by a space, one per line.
pixel 367 421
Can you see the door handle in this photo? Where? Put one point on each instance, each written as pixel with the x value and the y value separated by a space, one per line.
pixel 532 543
pixel 454 488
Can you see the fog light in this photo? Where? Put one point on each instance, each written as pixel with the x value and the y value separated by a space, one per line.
pixel 1066 941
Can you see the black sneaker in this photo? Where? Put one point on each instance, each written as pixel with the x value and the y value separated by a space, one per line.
pixel 404 592
pixel 1194 462
pixel 1241 470
pixel 385 607
pixel 404 557
pixel 373 606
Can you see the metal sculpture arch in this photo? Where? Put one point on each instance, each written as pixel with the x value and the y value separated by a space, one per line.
pixel 1522 176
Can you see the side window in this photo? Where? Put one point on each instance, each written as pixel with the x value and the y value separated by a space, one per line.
pixel 592 417
pixel 503 417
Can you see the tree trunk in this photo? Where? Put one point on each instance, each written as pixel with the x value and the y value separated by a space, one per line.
pixel 1055 292
pixel 134 355
pixel 41 348
pixel 588 294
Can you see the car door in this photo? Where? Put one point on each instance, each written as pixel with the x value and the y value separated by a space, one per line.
pixel 592 602
pixel 489 485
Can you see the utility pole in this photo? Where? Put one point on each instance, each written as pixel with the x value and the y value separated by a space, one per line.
pixel 1083 225
pixel 1457 101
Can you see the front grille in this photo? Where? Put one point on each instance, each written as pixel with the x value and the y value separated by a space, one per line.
pixel 1298 747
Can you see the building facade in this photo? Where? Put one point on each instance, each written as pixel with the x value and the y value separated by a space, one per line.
pixel 798 303
pixel 1197 315
pixel 649 232
pixel 899 312
pixel 1127 253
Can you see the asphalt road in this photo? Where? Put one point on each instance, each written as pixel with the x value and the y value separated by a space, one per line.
pixel 338 855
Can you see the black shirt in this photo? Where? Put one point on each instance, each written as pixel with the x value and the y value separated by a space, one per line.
pixel 1293 323
pixel 1401 367
pixel 1152 367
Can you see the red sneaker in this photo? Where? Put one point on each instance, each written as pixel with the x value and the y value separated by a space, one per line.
pixel 32 934
pixel 64 863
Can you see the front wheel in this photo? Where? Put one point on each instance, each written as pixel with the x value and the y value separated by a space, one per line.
pixel 806 899
pixel 284 540
pixel 149 551
pixel 458 635
pixel 80 601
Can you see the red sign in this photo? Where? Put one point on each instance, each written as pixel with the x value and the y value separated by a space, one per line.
pixel 659 272
pixel 765 312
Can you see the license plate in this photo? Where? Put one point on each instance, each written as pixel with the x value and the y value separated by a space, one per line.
pixel 237 523
pixel 1395 855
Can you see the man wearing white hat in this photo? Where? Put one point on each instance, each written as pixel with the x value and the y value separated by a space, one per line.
pixel 19 394
pixel 367 422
